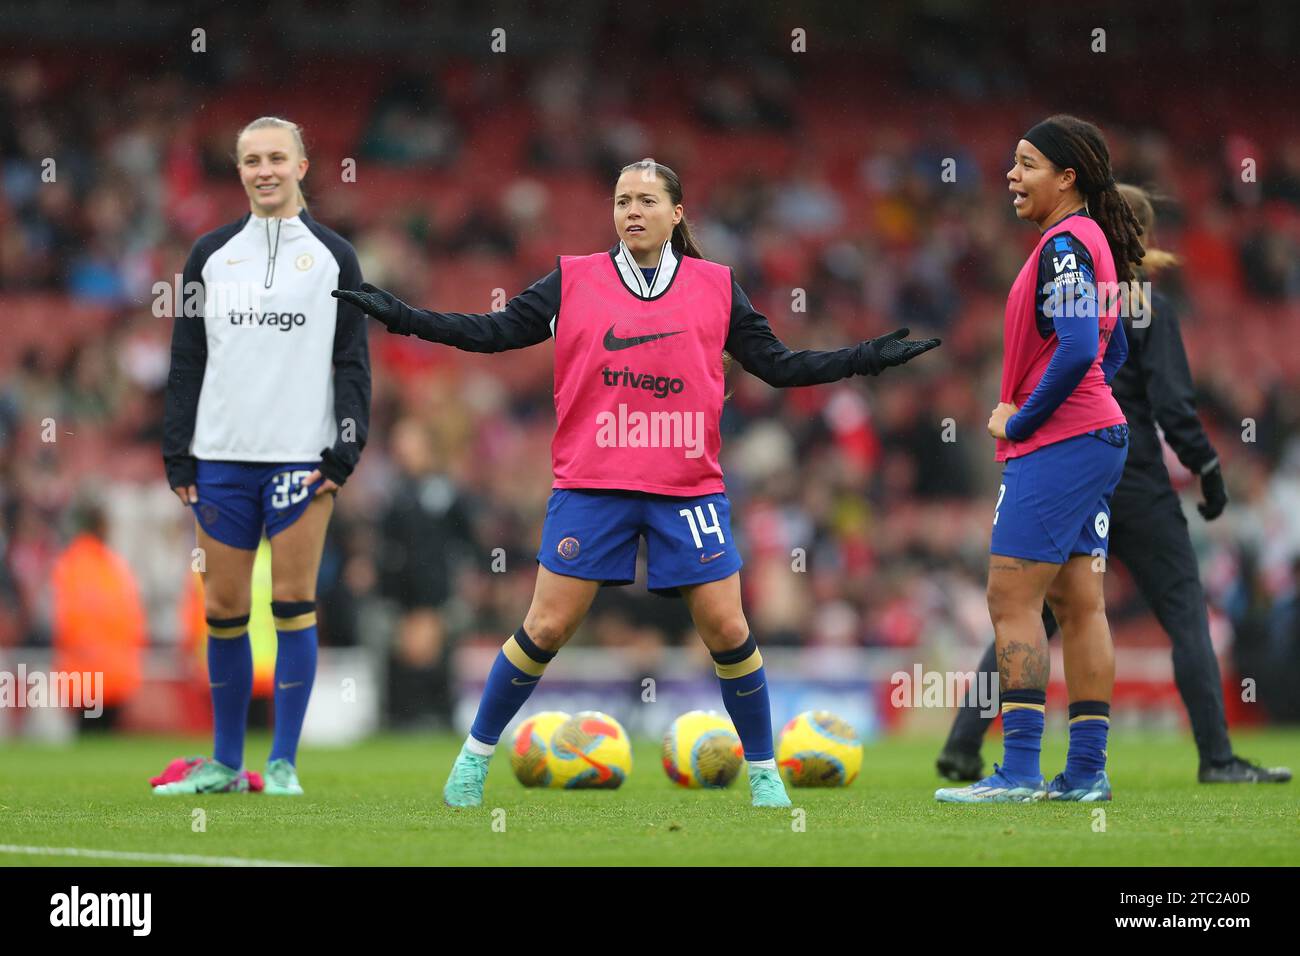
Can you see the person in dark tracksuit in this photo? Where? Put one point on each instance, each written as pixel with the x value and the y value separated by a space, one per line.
pixel 1149 534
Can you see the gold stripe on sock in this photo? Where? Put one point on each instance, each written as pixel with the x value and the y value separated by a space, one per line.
pixel 515 655
pixel 237 630
pixel 740 669
pixel 1090 717
pixel 1018 705
pixel 299 622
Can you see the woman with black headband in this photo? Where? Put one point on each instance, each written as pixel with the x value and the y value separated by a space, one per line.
pixel 1150 536
pixel 1064 440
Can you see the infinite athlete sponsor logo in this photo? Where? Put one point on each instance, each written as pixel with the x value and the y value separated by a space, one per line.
pixel 624 429
pixel 614 343
pixel 284 321
pixel 660 386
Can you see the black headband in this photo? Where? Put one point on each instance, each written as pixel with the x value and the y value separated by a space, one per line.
pixel 1049 139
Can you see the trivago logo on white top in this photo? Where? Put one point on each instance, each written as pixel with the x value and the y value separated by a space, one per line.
pixel 651 430
pixel 103 909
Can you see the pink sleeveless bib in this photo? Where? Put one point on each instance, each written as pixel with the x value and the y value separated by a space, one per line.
pixel 1027 354
pixel 638 382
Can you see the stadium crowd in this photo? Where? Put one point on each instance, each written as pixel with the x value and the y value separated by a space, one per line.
pixel 862 509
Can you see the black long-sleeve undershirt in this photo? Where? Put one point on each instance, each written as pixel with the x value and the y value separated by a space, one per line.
pixel 1155 387
pixel 526 320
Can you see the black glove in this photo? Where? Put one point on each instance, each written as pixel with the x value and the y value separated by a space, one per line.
pixel 332 467
pixel 879 354
pixel 1216 495
pixel 182 470
pixel 384 306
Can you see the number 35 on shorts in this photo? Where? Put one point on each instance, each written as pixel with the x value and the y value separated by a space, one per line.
pixel 703 525
pixel 289 489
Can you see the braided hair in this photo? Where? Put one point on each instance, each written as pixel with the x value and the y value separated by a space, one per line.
pixel 1072 143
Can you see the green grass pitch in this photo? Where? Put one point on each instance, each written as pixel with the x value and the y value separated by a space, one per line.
pixel 380 803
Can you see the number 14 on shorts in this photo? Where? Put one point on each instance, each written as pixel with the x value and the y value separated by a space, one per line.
pixel 703 525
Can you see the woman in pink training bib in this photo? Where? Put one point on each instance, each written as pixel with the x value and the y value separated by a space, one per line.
pixel 1064 439
pixel 640 332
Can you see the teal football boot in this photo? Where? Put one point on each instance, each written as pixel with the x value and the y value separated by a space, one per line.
pixel 282 779
pixel 464 786
pixel 206 776
pixel 766 788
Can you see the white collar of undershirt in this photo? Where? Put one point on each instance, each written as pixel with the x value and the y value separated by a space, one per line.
pixel 634 279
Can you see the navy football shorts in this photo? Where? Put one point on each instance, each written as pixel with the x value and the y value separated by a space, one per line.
pixel 593 534
pixel 237 499
pixel 1054 502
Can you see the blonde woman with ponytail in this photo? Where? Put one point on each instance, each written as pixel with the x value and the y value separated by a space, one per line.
pixel 267 408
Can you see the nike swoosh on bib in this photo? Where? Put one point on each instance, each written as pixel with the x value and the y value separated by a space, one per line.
pixel 614 343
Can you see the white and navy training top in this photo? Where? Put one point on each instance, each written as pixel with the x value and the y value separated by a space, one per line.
pixel 266 366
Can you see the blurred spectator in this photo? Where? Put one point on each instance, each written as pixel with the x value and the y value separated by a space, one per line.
pixel 1270 260
pixel 1282 181
pixel 410 125
pixel 423 536
pixel 99 622
pixel 1283 652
